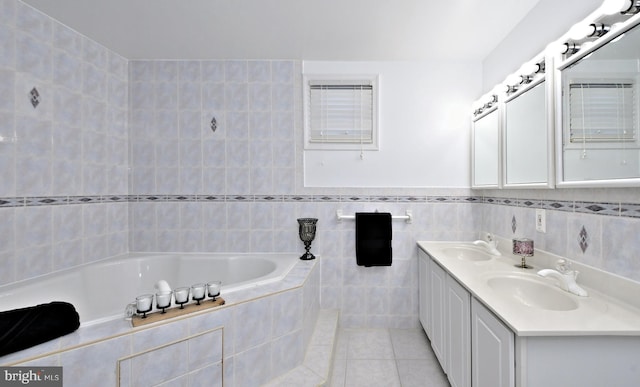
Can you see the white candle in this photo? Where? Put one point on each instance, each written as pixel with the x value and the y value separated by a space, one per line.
pixel 181 295
pixel 214 288
pixel 163 299
pixel 143 303
pixel 197 291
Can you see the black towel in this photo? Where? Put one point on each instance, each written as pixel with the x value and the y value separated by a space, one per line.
pixel 373 239
pixel 23 328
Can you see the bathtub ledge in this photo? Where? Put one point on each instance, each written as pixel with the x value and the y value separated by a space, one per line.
pixel 95 333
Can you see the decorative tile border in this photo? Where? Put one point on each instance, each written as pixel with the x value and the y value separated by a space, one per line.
pixel 631 210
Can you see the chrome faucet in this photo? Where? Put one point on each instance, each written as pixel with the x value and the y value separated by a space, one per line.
pixel 565 277
pixel 491 244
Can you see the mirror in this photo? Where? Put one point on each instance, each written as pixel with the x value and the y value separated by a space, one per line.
pixel 486 151
pixel 527 130
pixel 600 145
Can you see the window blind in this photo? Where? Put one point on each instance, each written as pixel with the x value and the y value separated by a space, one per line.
pixel 341 111
pixel 602 112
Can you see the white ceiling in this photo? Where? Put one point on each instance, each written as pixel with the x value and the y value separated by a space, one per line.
pixel 293 29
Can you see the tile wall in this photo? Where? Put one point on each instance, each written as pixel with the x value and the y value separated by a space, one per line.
pixel 63 146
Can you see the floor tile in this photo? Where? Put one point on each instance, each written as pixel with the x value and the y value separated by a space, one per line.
pixel 369 344
pixel 367 373
pixel 385 357
pixel 421 373
pixel 410 344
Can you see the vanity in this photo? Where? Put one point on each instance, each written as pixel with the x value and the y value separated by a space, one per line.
pixel 492 324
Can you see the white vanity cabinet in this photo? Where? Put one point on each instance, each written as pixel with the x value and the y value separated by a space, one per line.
pixel 493 349
pixel 445 307
pixel 424 291
pixel 458 332
pixel 438 312
pixel 486 338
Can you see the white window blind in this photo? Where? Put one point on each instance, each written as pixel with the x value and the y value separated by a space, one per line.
pixel 341 111
pixel 602 112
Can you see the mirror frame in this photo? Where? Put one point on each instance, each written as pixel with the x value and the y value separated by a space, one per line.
pixel 549 104
pixel 494 109
pixel 562 65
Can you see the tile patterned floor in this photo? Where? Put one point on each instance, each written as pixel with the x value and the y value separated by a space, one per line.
pixel 385 357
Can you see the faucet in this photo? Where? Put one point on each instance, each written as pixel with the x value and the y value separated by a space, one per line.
pixel 491 245
pixel 566 277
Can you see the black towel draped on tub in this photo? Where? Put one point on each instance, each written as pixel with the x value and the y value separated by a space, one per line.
pixel 373 239
pixel 26 327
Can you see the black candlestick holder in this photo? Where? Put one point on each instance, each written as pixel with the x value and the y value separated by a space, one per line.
pixel 307 232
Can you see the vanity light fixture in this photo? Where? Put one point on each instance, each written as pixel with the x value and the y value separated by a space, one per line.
pixel 569 48
pixel 490 100
pixel 533 68
pixel 485 102
pixel 582 31
pixel 508 89
pixel 624 7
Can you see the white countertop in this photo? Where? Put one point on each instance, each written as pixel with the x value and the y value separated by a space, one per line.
pixel 602 313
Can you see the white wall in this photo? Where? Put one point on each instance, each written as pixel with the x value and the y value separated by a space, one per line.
pixel 424 127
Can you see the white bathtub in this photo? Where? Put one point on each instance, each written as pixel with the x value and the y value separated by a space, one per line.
pixel 100 291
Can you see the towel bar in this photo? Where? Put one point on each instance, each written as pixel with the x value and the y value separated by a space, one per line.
pixel 407 218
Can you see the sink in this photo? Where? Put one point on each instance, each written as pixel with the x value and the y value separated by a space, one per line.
pixel 533 292
pixel 467 253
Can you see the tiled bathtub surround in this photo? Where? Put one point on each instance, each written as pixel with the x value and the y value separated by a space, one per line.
pixel 261 333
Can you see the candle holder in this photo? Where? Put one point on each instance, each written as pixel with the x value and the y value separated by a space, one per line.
pixel 197 292
pixel 144 304
pixel 524 248
pixel 163 300
pixel 213 289
pixel 307 232
pixel 181 295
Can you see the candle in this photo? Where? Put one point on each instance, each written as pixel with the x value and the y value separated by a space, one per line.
pixel 143 303
pixel 197 291
pixel 163 299
pixel 181 295
pixel 214 288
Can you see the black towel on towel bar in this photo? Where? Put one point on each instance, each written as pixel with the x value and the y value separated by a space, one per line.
pixel 373 239
pixel 26 327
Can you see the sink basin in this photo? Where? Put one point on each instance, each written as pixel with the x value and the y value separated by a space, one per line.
pixel 533 292
pixel 467 253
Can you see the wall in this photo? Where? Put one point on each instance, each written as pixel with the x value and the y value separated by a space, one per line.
pixel 240 188
pixel 414 127
pixel 63 164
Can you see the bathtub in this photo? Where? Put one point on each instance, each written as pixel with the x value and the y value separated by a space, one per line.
pixel 100 291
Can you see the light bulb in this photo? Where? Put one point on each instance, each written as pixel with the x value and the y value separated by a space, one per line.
pixel 580 31
pixel 513 79
pixel 612 7
pixel 530 68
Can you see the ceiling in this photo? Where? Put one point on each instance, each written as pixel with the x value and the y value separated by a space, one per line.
pixel 293 29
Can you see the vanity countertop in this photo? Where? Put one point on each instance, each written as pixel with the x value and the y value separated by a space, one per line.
pixel 611 308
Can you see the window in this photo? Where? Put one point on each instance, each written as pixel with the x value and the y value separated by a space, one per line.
pixel 602 112
pixel 341 113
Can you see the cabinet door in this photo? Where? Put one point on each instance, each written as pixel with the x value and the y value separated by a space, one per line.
pixel 458 340
pixel 493 349
pixel 424 299
pixel 437 278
